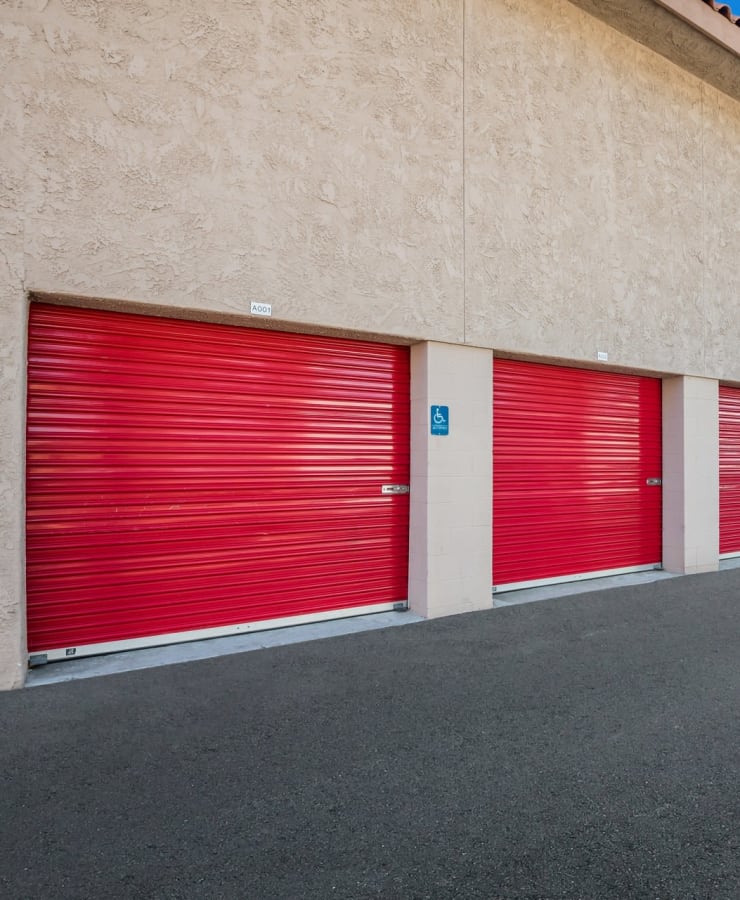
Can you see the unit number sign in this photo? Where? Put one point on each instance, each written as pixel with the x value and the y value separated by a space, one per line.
pixel 260 309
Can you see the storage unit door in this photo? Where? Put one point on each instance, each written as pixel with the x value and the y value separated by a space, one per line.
pixel 576 473
pixel 188 479
pixel 729 471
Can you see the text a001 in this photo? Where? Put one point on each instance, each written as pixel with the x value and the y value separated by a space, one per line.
pixel 260 309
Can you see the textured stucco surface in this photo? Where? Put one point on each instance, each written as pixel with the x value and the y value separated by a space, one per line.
pixel 721 235
pixel 12 377
pixel 595 212
pixel 316 156
pixel 205 155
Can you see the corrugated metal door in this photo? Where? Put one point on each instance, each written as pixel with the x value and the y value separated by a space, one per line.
pixel 184 477
pixel 729 471
pixel 575 455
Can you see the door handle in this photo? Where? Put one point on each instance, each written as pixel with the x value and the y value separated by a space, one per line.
pixel 394 489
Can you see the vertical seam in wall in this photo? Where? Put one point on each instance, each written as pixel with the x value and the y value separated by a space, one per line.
pixel 464 179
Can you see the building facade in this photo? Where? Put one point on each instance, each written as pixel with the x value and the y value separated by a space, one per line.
pixel 489 247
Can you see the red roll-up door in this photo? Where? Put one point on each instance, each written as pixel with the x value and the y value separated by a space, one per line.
pixel 729 471
pixel 186 479
pixel 574 455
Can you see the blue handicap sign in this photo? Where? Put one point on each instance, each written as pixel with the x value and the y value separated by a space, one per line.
pixel 440 419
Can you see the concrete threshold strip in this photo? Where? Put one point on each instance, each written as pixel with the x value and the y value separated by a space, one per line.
pixel 151 657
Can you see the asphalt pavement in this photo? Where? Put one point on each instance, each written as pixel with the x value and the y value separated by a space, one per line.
pixel 579 747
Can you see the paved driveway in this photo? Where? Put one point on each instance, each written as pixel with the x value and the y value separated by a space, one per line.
pixel 582 747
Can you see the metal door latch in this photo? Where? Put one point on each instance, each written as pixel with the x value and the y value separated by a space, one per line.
pixel 394 489
pixel 654 482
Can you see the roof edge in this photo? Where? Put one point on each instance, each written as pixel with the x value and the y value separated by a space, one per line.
pixel 692 34
pixel 710 19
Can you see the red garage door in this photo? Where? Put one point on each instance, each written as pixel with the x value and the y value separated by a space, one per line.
pixel 187 479
pixel 729 471
pixel 576 469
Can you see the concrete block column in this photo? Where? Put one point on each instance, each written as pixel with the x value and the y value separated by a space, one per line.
pixel 690 474
pixel 451 481
pixel 13 317
pixel 13 324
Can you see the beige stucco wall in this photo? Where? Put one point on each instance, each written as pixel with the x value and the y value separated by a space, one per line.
pixel 13 306
pixel 205 155
pixel 514 176
pixel 602 194
pixel 317 157
pixel 721 235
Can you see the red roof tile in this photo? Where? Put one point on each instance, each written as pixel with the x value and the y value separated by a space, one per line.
pixel 724 10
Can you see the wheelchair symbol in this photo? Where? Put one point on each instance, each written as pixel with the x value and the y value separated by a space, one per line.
pixel 440 419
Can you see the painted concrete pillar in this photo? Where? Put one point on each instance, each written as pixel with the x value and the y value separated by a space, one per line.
pixel 451 475
pixel 690 474
pixel 13 316
pixel 13 324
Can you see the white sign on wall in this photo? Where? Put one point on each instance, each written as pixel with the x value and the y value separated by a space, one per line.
pixel 260 309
